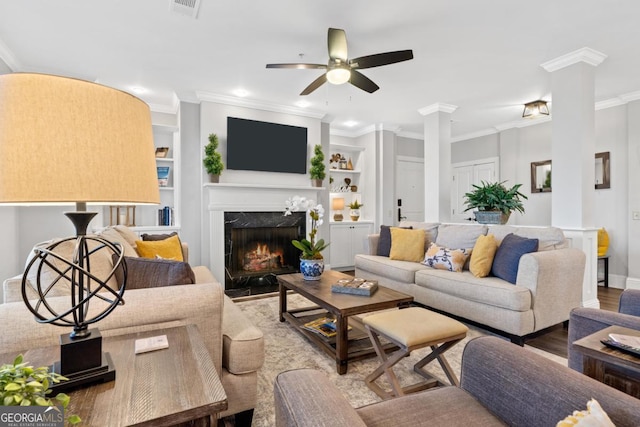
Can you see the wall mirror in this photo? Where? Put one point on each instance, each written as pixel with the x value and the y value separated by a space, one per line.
pixel 603 173
pixel 541 176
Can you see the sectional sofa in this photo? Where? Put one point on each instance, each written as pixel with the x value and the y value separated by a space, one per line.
pixel 547 287
pixel 236 345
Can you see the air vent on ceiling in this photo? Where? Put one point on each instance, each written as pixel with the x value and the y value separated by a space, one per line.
pixel 185 7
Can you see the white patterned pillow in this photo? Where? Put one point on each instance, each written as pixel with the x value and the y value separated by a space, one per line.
pixel 446 259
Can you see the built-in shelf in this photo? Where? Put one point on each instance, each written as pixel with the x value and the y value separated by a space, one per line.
pixel 344 171
pixel 265 186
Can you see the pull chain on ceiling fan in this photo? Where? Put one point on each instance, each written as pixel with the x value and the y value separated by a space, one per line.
pixel 340 69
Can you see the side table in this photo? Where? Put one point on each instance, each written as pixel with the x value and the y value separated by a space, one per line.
pixel 608 365
pixel 165 387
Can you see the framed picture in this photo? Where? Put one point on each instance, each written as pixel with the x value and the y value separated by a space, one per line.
pixel 161 152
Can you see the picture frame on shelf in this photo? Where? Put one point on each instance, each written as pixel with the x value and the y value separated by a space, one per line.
pixel 162 152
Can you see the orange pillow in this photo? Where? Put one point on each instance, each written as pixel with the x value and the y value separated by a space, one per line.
pixel 482 256
pixel 170 248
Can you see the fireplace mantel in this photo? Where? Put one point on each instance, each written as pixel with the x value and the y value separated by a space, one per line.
pixel 223 197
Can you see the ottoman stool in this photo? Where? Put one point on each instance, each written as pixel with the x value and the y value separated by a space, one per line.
pixel 410 329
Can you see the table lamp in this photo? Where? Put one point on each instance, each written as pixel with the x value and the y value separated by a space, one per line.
pixel 66 141
pixel 337 204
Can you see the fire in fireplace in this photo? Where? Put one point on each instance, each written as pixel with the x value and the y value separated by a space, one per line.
pixel 258 248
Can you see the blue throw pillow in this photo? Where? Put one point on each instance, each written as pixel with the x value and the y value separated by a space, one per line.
pixel 507 258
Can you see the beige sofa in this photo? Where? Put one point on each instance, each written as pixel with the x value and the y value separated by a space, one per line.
pixel 548 285
pixel 235 344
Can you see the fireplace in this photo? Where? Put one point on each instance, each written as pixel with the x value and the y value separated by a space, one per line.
pixel 258 248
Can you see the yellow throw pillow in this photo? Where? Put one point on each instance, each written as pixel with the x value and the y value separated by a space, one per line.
pixel 170 248
pixel 482 255
pixel 407 244
pixel 593 416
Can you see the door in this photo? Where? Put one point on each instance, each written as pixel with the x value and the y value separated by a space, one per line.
pixel 465 175
pixel 409 189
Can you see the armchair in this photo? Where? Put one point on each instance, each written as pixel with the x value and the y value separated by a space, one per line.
pixel 501 384
pixel 586 321
pixel 236 346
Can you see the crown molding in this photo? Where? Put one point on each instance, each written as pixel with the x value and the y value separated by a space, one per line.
pixel 437 107
pixel 164 108
pixel 478 134
pixel 631 96
pixel 608 103
pixel 585 54
pixel 9 58
pixel 410 135
pixel 258 105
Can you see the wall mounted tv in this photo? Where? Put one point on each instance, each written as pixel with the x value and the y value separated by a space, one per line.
pixel 261 146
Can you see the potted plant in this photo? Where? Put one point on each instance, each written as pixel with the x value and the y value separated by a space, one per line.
pixel 311 259
pixel 494 202
pixel 212 159
pixel 354 211
pixel 317 172
pixel 24 385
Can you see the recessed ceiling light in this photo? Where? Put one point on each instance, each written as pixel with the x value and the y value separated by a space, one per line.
pixel 350 123
pixel 303 104
pixel 241 93
pixel 138 89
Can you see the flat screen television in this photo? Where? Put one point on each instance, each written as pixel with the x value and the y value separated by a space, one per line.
pixel 262 146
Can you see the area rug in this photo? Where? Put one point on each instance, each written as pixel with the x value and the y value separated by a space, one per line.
pixel 286 349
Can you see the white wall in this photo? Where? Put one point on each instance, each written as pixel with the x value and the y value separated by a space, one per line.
pixel 518 147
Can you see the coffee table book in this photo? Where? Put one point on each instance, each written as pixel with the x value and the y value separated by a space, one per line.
pixel 356 286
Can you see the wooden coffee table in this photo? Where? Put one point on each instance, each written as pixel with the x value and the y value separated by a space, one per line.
pixel 348 344
pixel 166 387
pixel 608 365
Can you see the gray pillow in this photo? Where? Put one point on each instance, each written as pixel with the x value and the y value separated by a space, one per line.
pixel 155 237
pixel 154 273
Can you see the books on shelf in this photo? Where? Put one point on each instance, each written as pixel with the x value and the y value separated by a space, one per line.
pixel 356 286
pixel 323 326
pixel 165 216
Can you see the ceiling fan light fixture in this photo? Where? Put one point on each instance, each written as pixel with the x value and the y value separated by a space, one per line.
pixel 535 108
pixel 338 75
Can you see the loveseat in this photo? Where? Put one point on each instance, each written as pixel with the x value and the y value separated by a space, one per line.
pixel 236 346
pixel 500 384
pixel 547 282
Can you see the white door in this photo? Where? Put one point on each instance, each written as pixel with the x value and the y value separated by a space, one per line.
pixel 409 189
pixel 465 175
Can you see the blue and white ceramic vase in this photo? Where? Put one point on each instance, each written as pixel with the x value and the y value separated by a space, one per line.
pixel 311 269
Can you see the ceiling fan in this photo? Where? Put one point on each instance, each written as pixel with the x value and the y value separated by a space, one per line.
pixel 341 69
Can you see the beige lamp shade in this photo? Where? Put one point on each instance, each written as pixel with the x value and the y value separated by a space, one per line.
pixel 64 140
pixel 337 204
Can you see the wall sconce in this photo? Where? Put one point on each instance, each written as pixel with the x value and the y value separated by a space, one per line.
pixel 535 108
pixel 337 204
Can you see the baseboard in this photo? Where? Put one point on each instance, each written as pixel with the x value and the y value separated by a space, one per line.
pixel 632 283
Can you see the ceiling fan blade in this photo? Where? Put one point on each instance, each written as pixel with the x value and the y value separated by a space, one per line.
pixel 337 41
pixel 315 84
pixel 379 59
pixel 299 66
pixel 363 82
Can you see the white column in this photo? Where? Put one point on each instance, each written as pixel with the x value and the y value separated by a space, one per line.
pixel 573 156
pixel 437 161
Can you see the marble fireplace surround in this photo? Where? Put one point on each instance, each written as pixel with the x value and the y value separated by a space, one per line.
pixel 223 197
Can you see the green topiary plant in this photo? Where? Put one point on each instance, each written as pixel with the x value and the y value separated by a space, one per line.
pixel 212 159
pixel 24 385
pixel 495 197
pixel 317 164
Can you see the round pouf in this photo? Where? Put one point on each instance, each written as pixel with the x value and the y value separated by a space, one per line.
pixel 311 269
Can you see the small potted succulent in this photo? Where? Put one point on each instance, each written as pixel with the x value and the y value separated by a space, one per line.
pixel 354 210
pixel 212 159
pixel 317 170
pixel 494 202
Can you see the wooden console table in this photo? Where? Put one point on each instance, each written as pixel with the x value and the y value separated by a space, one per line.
pixel 608 365
pixel 165 387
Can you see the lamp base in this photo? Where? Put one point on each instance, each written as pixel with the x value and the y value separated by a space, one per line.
pixel 102 374
pixel 82 361
pixel 338 217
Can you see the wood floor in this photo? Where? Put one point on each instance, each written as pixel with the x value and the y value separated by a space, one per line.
pixel 555 341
